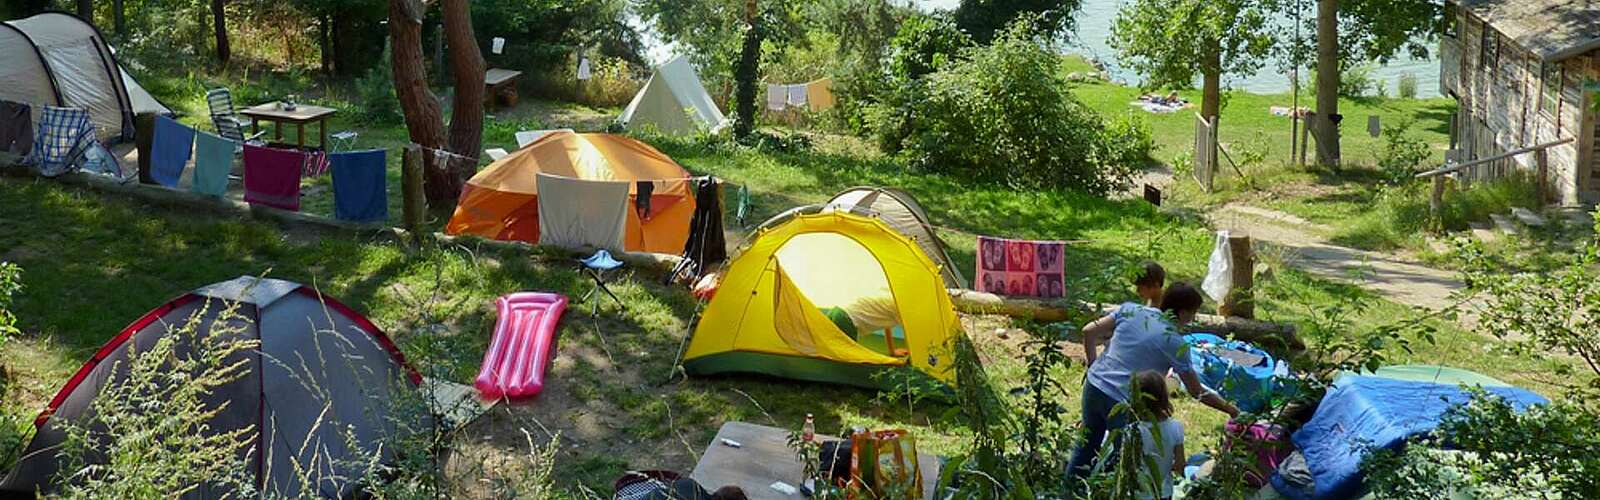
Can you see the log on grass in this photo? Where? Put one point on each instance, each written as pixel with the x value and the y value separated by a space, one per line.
pixel 1278 338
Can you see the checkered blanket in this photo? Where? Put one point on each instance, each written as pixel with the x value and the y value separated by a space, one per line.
pixel 60 139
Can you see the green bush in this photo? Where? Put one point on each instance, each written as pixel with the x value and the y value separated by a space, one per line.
pixel 1400 152
pixel 1003 113
pixel 377 102
pixel 10 284
pixel 1408 85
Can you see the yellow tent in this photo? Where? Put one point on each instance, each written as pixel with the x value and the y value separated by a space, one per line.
pixel 787 301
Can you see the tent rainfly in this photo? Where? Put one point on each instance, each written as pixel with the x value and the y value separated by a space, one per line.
pixel 901 211
pixel 57 59
pixel 317 396
pixel 674 102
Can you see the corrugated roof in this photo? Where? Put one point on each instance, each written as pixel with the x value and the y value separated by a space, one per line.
pixel 1551 29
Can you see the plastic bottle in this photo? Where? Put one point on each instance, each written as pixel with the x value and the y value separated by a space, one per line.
pixel 808 433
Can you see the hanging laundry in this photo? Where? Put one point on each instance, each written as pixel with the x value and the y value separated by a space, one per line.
pixel 213 161
pixel 1021 268
pixel 819 94
pixel 576 213
pixel 642 192
pixel 360 186
pixel 272 177
pixel 707 245
pixel 583 68
pixel 16 128
pixel 169 151
pixel 60 141
pixel 777 96
pixel 797 95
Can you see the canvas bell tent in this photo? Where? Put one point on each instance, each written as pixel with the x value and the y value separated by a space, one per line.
pixel 828 297
pixel 673 102
pixel 57 59
pixel 323 379
pixel 901 211
pixel 502 201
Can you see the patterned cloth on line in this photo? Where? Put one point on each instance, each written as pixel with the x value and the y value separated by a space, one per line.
pixel 360 186
pixel 272 176
pixel 169 151
pixel 213 161
pixel 63 136
pixel 1021 268
pixel 797 95
pixel 16 128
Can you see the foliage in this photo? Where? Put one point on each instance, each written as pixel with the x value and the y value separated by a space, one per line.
pixel 10 284
pixel 923 44
pixel 986 19
pixel 1397 159
pixel 1497 451
pixel 1556 311
pixel 152 429
pixel 1170 42
pixel 1003 113
pixel 1407 85
pixel 544 33
pixel 378 103
pixel 612 82
pixel 712 31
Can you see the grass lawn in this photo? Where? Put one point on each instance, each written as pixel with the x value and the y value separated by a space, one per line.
pixel 94 263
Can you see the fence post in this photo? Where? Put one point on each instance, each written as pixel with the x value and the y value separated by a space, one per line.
pixel 1436 200
pixel 1541 159
pixel 411 195
pixel 1239 301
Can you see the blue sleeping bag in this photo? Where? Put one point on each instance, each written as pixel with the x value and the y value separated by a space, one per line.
pixel 1364 412
pixel 1240 372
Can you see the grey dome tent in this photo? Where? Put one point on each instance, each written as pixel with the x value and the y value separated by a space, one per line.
pixel 902 213
pixel 322 380
pixel 57 59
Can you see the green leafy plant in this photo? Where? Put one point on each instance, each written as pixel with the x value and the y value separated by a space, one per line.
pixel 1407 85
pixel 10 284
pixel 1400 152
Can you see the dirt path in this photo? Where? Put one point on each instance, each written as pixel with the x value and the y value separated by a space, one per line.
pixel 1306 249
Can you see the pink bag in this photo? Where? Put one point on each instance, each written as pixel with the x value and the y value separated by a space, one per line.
pixel 1270 442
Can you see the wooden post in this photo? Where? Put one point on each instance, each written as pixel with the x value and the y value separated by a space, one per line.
pixel 1436 201
pixel 1541 160
pixel 1305 137
pixel 414 202
pixel 1239 302
pixel 144 126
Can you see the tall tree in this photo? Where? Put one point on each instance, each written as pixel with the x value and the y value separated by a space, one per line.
pixel 119 17
pixel 219 23
pixel 712 31
pixel 444 176
pixel 1352 31
pixel 1171 41
pixel 982 18
pixel 747 73
pixel 86 10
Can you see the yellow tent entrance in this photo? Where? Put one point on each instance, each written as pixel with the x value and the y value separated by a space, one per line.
pixel 768 315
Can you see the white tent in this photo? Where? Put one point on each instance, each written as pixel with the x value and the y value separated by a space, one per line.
pixel 56 59
pixel 674 102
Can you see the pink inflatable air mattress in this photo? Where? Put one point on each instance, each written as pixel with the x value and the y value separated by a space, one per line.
pixel 523 343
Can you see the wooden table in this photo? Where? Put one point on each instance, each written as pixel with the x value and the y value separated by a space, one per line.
pixel 302 114
pixel 498 80
pixel 765 458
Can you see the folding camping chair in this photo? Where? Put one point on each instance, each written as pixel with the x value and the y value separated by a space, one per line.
pixel 227 121
pixel 595 266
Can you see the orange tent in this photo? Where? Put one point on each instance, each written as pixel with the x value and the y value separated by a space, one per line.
pixel 502 201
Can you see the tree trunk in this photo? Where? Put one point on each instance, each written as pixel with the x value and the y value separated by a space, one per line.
pixel 119 17
pixel 745 89
pixel 86 10
pixel 443 179
pixel 220 25
pixel 324 44
pixel 1322 124
pixel 1211 73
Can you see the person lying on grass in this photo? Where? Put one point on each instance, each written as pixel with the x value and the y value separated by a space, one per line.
pixel 1141 338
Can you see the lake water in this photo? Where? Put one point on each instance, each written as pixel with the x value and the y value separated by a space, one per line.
pixel 1094 32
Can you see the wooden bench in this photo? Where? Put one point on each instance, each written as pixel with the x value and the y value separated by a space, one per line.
pixel 500 87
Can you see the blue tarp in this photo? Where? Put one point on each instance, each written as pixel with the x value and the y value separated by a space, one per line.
pixel 1362 413
pixel 1250 386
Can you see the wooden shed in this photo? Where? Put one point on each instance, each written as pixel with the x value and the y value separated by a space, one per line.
pixel 1526 72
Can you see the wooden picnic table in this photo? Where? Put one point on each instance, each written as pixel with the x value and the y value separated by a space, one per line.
pixel 497 81
pixel 764 457
pixel 300 116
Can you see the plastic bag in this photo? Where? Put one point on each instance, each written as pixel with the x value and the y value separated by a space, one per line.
pixel 1219 274
pixel 883 465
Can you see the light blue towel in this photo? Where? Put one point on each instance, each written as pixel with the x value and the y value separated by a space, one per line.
pixel 360 186
pixel 169 151
pixel 213 160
